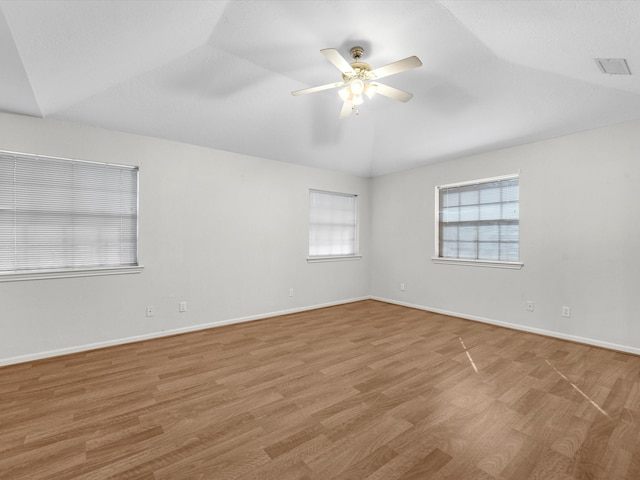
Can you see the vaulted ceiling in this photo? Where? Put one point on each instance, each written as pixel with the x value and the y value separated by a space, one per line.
pixel 220 73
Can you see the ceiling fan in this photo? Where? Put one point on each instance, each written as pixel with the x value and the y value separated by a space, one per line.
pixel 358 79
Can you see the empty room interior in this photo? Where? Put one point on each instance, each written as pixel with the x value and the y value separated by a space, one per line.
pixel 383 240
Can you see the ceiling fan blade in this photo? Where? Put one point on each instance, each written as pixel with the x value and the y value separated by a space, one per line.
pixel 318 89
pixel 338 60
pixel 392 92
pixel 347 108
pixel 397 67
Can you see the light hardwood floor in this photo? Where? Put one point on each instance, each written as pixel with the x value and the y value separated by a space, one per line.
pixel 364 390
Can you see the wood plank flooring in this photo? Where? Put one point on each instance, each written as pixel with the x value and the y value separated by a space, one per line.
pixel 366 390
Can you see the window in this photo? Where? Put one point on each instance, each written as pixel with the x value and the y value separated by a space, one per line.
pixel 479 220
pixel 332 225
pixel 60 215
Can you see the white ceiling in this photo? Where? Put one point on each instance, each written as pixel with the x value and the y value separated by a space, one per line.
pixel 219 73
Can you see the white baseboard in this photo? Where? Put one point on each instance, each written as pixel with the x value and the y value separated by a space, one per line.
pixel 167 333
pixel 515 326
pixel 194 328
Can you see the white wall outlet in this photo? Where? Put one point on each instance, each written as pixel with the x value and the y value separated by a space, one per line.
pixel 402 287
pixel 183 307
pixel 150 311
pixel 530 306
pixel 291 292
pixel 566 312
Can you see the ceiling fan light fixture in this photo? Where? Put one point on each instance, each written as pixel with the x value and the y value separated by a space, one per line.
pixel 357 99
pixel 357 86
pixel 344 94
pixel 370 90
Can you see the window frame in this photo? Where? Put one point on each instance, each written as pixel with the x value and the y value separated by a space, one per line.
pixel 81 271
pixel 356 241
pixel 438 259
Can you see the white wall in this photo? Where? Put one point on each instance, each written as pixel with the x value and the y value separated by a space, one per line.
pixel 227 233
pixel 580 239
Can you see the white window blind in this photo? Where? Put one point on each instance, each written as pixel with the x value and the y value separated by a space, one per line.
pixel 332 224
pixel 480 220
pixel 58 214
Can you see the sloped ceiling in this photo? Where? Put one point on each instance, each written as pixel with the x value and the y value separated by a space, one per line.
pixel 219 73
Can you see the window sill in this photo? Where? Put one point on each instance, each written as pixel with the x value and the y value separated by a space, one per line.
pixel 478 263
pixel 88 272
pixel 333 258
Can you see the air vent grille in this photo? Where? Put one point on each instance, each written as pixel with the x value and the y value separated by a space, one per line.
pixel 613 66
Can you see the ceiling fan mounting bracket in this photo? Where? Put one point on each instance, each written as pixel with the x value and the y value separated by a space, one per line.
pixel 356 53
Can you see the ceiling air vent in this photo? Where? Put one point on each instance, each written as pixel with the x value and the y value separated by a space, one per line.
pixel 613 66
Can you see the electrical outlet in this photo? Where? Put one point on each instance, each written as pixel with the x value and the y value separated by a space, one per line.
pixel 150 311
pixel 183 307
pixel 530 306
pixel 402 287
pixel 566 312
pixel 291 292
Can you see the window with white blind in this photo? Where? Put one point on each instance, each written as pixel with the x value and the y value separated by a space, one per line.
pixel 59 215
pixel 479 221
pixel 333 225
